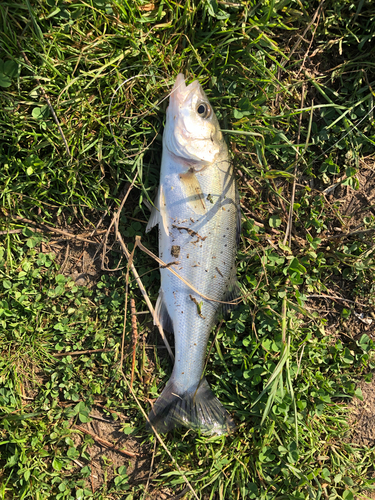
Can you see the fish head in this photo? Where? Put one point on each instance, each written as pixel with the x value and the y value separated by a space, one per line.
pixel 192 131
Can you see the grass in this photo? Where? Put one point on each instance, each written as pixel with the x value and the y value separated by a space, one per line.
pixel 292 83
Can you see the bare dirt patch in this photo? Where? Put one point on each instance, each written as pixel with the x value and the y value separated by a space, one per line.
pixel 105 460
pixel 78 260
pixel 363 416
pixel 361 202
pixel 355 204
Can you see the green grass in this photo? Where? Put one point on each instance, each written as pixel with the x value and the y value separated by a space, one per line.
pixel 290 107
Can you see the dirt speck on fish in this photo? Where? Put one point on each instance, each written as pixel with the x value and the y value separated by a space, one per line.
pixel 197 211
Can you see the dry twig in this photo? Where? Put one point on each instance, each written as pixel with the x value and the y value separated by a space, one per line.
pixel 150 472
pixel 346 235
pixel 334 298
pixel 55 230
pixel 129 258
pixel 79 353
pixel 106 443
pixel 135 337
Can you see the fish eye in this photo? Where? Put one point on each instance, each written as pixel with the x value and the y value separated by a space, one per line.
pixel 203 110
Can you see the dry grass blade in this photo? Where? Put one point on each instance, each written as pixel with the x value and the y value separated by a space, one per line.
pixel 114 222
pixel 134 337
pixel 298 43
pixel 145 295
pixel 150 471
pixel 130 262
pixel 80 353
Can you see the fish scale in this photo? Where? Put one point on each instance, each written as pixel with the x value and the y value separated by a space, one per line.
pixel 197 213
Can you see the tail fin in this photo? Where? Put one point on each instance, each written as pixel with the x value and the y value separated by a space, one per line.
pixel 199 410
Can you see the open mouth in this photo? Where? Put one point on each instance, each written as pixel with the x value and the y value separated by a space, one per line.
pixel 180 91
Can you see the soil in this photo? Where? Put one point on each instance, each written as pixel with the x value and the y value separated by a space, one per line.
pixel 353 207
pixel 361 422
pixel 105 460
pixel 78 260
pixel 363 416
pixel 359 203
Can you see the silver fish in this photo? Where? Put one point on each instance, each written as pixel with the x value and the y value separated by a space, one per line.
pixel 197 211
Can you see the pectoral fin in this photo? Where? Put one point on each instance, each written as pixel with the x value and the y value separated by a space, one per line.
pixel 158 213
pixel 193 191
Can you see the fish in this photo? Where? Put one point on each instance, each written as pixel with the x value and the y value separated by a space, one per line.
pixel 198 216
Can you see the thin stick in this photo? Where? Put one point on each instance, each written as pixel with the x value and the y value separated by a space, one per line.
pixel 129 257
pixel 145 296
pixel 159 438
pixel 114 221
pixel 334 297
pixel 106 443
pixel 78 353
pixel 100 418
pixel 11 231
pixel 346 235
pixel 150 472
pixel 109 410
pixel 130 261
pixel 135 337
pixel 55 230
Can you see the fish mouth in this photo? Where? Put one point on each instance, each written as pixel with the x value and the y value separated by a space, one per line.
pixel 181 91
